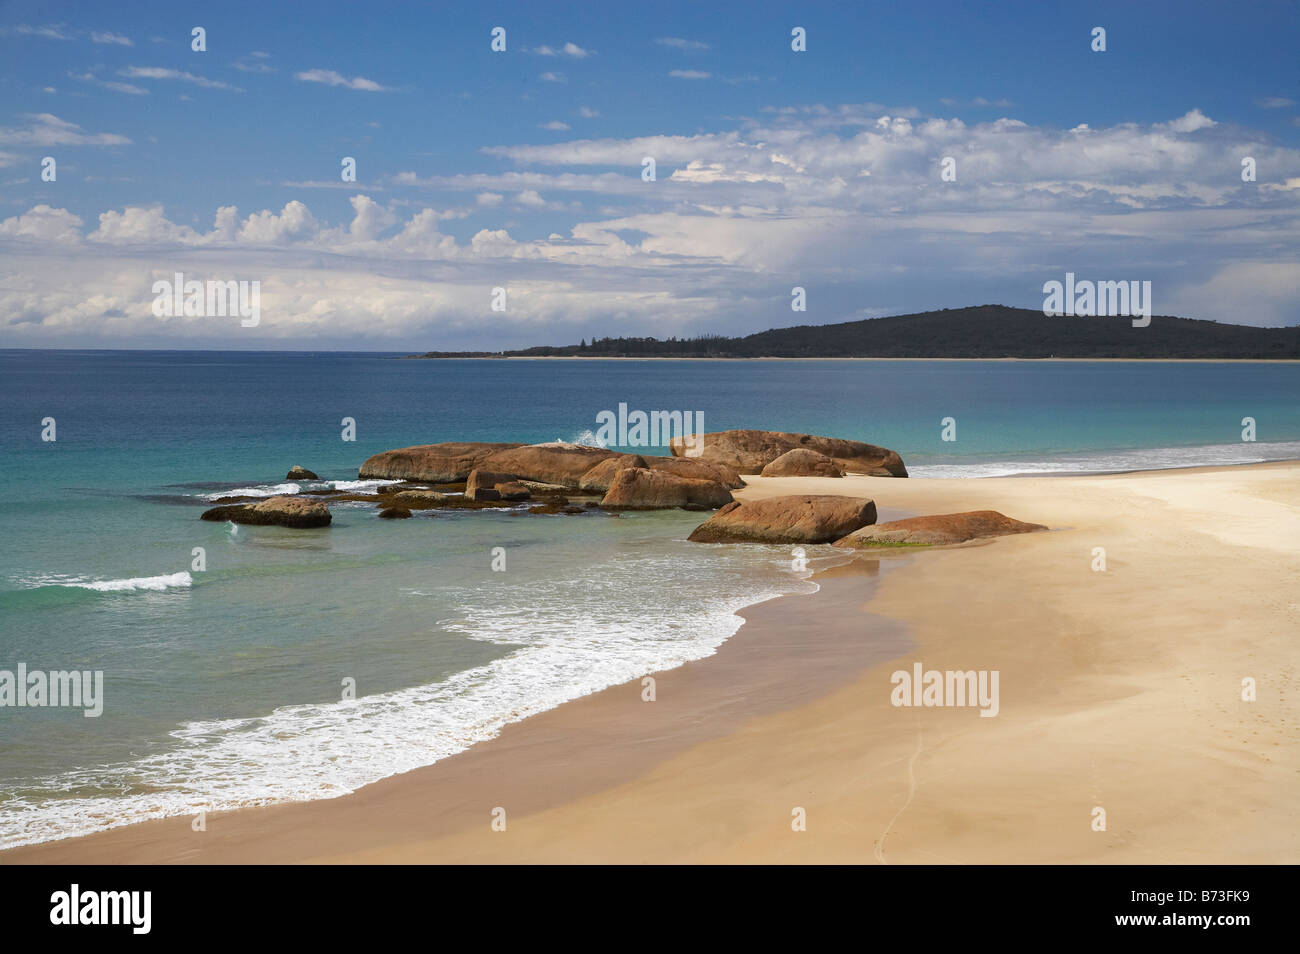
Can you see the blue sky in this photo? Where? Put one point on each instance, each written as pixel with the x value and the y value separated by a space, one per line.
pixel 522 169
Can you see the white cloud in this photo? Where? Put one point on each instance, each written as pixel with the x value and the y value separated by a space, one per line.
pixel 112 39
pixel 678 43
pixel 568 49
pixel 1274 102
pixel 114 85
pixel 690 74
pixel 332 78
pixel 162 73
pixel 554 125
pixel 44 224
pixel 586 112
pixel 552 77
pixel 46 129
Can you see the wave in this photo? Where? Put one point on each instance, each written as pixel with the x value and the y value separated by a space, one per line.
pixel 1116 461
pixel 565 639
pixel 290 487
pixel 165 581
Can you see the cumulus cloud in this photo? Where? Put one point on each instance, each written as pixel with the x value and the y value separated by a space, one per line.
pixel 848 197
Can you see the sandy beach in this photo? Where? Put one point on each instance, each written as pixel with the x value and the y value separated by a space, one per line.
pixel 1119 689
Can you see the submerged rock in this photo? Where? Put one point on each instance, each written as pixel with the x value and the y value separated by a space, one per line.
pixel 748 452
pixel 800 518
pixel 283 511
pixel 418 499
pixel 300 473
pixel 944 528
pixel 802 462
pixel 394 513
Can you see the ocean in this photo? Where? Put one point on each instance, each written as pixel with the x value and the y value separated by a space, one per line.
pixel 224 686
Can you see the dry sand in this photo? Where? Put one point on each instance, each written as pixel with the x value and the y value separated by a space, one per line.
pixel 1119 690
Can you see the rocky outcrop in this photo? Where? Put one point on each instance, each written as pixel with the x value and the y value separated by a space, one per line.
pixel 748 452
pixel 435 463
pixel 598 479
pixel 639 488
pixel 512 490
pixel 481 484
pixel 298 512
pixel 800 518
pixel 554 463
pixel 300 473
pixel 802 462
pixel 937 530
pixel 697 469
pixel 394 513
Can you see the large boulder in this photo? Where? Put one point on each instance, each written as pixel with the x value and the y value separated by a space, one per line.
pixel 937 530
pixel 298 512
pixel 802 462
pixel 558 462
pixel 444 463
pixel 748 452
pixel 394 513
pixel 697 469
pixel 639 488
pixel 601 475
pixel 481 484
pixel 799 518
pixel 300 473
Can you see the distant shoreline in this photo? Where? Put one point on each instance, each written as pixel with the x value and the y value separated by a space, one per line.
pixel 575 357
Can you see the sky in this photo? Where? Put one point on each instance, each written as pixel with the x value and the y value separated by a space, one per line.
pixel 523 169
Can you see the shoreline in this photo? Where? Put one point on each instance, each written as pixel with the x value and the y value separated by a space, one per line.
pixel 1119 689
pixel 697 701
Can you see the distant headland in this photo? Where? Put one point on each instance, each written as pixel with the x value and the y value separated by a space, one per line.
pixel 982 331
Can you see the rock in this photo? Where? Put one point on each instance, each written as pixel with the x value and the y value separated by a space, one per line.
pixel 444 463
pixel 417 499
pixel 799 518
pixel 697 469
pixel 542 489
pixel 394 513
pixel 283 511
pixel 937 530
pixel 598 479
pixel 512 490
pixel 481 484
pixel 748 452
pixel 300 473
pixel 552 505
pixel 554 463
pixel 802 462
pixel 639 488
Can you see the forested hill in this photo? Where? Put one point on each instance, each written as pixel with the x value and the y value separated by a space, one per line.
pixel 984 331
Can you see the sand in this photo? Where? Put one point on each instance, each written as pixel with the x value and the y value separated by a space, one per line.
pixel 1120 690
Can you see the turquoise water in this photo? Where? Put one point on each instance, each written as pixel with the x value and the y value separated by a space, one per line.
pixel 223 686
